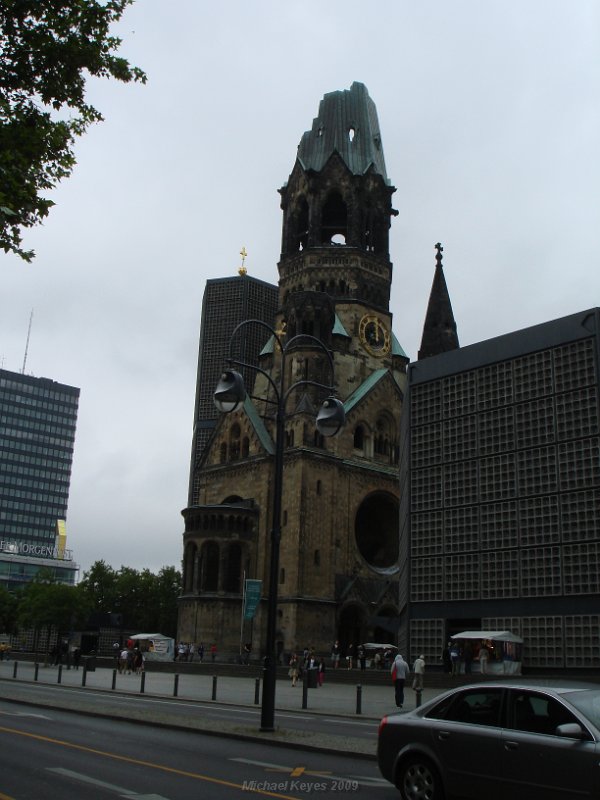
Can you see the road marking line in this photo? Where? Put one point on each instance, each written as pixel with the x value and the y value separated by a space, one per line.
pixel 78 776
pixel 139 762
pixel 22 714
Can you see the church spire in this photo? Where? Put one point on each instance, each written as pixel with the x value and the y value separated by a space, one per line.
pixel 439 330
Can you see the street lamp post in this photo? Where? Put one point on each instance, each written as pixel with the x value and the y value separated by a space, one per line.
pixel 230 395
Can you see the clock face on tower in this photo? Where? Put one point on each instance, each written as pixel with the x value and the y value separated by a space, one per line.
pixel 374 335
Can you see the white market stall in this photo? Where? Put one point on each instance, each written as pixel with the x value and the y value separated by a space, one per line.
pixel 505 649
pixel 155 646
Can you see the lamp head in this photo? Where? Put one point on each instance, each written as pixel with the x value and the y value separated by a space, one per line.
pixel 331 417
pixel 230 392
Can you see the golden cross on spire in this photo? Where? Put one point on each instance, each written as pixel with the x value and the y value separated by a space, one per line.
pixel 242 270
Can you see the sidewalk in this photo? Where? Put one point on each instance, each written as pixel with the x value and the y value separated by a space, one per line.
pixel 331 698
pixel 334 699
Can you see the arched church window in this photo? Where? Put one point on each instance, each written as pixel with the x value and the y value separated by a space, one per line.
pixel 334 219
pixel 210 567
pixel 245 447
pixel 223 452
pixel 359 437
pixel 301 224
pixel 232 580
pixel 189 562
pixel 234 442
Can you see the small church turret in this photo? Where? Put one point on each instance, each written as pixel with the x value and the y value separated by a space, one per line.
pixel 439 329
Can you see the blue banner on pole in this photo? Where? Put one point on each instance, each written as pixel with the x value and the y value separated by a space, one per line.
pixel 252 598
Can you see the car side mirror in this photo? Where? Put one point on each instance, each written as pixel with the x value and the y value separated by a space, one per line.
pixel 570 730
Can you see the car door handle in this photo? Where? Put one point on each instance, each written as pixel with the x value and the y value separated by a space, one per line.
pixel 508 745
pixel 443 735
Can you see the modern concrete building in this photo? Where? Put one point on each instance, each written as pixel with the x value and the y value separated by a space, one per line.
pixel 338 565
pixel 226 303
pixel 37 432
pixel 500 488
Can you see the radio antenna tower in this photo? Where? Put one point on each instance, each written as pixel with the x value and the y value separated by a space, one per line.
pixel 27 342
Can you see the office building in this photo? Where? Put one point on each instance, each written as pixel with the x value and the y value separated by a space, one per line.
pixel 37 432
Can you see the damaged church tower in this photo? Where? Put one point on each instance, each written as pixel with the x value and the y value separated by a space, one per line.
pixel 338 566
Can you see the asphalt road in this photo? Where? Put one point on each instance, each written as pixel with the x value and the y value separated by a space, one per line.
pixel 50 754
pixel 191 713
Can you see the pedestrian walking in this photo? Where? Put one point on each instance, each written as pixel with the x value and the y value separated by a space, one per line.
pixel 419 670
pixel 293 670
pixel 400 671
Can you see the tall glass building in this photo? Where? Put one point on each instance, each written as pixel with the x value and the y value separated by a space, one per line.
pixel 37 433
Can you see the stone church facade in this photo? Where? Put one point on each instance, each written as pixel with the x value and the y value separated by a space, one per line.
pixel 338 565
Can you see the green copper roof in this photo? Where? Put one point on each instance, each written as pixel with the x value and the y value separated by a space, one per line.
pixel 346 124
pixel 269 347
pixel 259 426
pixel 338 328
pixel 397 349
pixel 365 387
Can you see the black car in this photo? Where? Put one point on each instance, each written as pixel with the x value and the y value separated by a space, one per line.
pixel 496 740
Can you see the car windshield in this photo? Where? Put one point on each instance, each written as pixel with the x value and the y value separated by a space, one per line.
pixel 587 702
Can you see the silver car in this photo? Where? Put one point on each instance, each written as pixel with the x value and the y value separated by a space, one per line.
pixel 496 740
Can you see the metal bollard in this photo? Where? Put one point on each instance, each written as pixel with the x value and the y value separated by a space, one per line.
pixel 418 696
pixel 257 692
pixel 358 698
pixel 143 683
pixel 84 674
pixel 114 679
pixel 305 689
pixel 35 671
pixel 59 679
pixel 15 669
pixel 175 684
pixel 214 689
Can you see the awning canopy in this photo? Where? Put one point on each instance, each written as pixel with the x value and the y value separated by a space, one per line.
pixel 157 636
pixel 498 636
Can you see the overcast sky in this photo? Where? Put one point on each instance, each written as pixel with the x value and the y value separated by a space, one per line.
pixel 490 121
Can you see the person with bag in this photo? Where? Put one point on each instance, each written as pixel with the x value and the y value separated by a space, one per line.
pixel 400 671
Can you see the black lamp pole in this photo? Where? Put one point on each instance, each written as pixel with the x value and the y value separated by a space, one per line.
pixel 267 713
pixel 229 395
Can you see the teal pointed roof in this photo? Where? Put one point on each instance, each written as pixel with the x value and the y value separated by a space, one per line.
pixel 259 426
pixel 346 124
pixel 397 349
pixel 365 387
pixel 339 329
pixel 269 347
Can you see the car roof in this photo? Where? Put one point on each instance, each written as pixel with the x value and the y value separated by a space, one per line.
pixel 540 684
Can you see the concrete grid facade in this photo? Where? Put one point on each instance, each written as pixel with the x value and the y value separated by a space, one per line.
pixel 500 482
pixel 226 303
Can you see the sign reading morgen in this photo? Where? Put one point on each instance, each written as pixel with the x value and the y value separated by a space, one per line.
pixel 32 549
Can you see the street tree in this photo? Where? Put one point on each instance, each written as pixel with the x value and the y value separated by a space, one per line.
pixel 52 607
pixel 48 48
pixel 8 611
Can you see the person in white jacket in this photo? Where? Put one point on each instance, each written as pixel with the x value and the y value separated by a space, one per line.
pixel 419 670
pixel 400 672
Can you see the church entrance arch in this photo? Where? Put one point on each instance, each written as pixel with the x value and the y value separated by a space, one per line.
pixel 352 627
